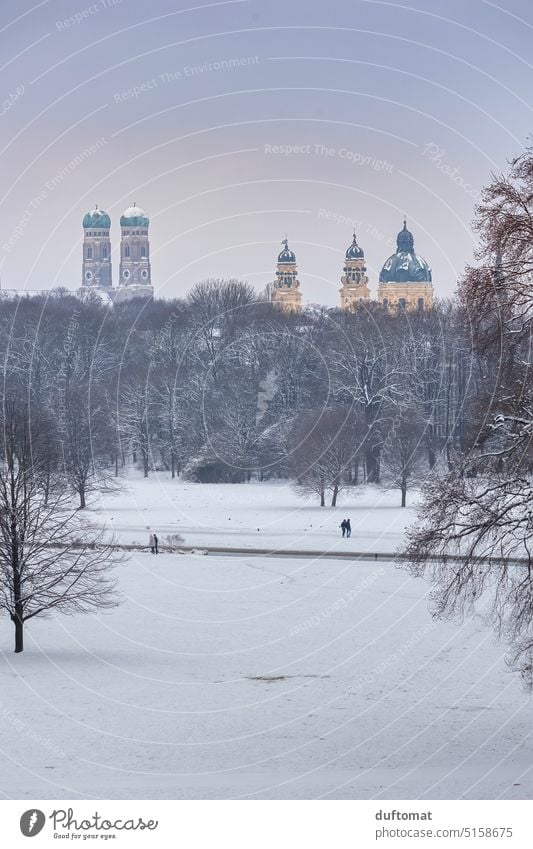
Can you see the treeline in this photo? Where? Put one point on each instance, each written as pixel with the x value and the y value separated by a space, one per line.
pixel 223 387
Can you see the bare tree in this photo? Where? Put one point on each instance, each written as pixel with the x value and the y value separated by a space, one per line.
pixel 323 447
pixel 86 436
pixel 217 309
pixel 369 375
pixel 403 449
pixel 136 419
pixel 49 560
pixel 482 508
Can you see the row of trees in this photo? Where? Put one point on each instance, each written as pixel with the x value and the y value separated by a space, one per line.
pixel 223 387
pixel 218 387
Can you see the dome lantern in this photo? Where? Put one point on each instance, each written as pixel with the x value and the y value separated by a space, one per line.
pixel 354 251
pixel 405 242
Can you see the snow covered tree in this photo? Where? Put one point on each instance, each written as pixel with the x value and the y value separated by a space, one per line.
pixel 482 507
pixel 368 374
pixel 137 416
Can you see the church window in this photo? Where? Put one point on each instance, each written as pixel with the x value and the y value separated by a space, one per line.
pixel 127 250
pixel 421 304
pixel 104 251
pixel 402 303
pixel 89 253
pixel 143 251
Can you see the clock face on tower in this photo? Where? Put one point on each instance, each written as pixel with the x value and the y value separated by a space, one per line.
pixel 88 275
pixel 144 274
pixel 126 274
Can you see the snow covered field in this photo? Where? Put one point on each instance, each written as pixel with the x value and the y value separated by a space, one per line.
pixel 241 676
pixel 255 515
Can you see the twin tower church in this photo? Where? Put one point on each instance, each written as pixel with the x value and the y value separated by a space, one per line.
pixel 135 278
pixel 404 281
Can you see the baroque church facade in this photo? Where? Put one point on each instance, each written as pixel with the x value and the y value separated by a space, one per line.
pixel 405 280
pixel 135 276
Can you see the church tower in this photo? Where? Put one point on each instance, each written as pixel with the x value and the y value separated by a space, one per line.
pixel 285 289
pixel 354 281
pixel 405 279
pixel 135 272
pixel 96 264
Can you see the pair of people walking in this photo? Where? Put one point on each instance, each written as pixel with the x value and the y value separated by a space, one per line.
pixel 346 528
pixel 154 542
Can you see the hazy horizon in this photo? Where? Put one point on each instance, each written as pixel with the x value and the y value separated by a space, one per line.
pixel 233 123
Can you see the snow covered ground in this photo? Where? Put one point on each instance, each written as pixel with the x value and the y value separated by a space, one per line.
pixel 242 676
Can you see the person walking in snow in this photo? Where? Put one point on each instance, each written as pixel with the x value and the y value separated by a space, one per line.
pixel 156 543
pixel 348 528
pixel 343 526
pixel 152 543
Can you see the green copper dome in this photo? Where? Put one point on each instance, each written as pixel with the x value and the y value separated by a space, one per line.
pixel 134 216
pixel 97 219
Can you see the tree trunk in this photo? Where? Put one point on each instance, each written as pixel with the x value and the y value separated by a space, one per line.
pixel 334 496
pixel 372 464
pixel 19 629
pixel 432 459
pixel 404 491
pixel 18 615
pixel 322 498
pixel 81 493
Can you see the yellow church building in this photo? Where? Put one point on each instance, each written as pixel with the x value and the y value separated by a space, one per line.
pixel 404 281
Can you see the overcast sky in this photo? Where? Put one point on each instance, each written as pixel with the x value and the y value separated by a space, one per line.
pixel 233 123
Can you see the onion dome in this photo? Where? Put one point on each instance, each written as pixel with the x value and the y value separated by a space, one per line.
pixel 97 219
pixel 134 216
pixel 405 265
pixel 354 251
pixel 286 256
